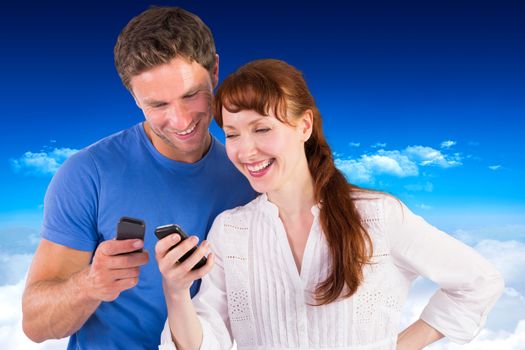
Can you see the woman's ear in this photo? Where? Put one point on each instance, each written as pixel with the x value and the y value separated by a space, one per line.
pixel 306 124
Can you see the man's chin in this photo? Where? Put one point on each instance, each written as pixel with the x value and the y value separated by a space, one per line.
pixel 190 145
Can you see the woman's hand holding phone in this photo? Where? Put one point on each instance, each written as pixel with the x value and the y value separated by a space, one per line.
pixel 177 268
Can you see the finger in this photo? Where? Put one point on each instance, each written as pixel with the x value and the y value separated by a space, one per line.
pixel 196 256
pixel 126 261
pixel 204 270
pixel 121 274
pixel 182 249
pixel 126 283
pixel 169 264
pixel 115 247
pixel 164 245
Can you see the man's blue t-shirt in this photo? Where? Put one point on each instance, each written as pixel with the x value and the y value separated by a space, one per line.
pixel 124 175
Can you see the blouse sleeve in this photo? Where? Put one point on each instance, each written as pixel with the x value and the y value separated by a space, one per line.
pixel 468 284
pixel 210 302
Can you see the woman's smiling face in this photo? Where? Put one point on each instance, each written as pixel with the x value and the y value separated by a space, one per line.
pixel 264 149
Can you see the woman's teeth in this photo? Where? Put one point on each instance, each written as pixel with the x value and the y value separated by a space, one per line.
pixel 260 166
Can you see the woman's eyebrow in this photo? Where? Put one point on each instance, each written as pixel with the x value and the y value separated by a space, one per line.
pixel 255 121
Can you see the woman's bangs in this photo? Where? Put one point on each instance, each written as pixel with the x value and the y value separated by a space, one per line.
pixel 245 93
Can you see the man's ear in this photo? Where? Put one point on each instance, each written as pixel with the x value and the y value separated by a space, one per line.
pixel 215 72
pixel 306 124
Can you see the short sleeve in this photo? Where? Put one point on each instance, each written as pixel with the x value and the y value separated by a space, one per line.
pixel 468 284
pixel 70 204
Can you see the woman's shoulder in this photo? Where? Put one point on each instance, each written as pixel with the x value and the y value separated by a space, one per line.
pixel 239 213
pixel 231 227
pixel 371 203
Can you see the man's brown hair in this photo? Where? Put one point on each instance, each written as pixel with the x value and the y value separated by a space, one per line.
pixel 157 36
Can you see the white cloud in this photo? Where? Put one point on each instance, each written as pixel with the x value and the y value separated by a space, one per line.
pixel 390 162
pixel 355 144
pixel 500 233
pixel 429 156
pixel 427 187
pixel 18 239
pixel 355 170
pixel 505 327
pixel 365 168
pixel 13 267
pixel 43 162
pixel 494 167
pixel 509 258
pixel 448 144
pixel 379 145
pixel 400 163
pixel 11 335
pixel 489 340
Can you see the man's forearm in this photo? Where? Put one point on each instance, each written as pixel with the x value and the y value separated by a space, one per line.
pixel 55 309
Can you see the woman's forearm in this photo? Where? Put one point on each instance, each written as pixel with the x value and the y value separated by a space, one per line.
pixel 416 336
pixel 186 329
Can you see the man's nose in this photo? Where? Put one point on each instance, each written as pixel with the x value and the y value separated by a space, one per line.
pixel 179 118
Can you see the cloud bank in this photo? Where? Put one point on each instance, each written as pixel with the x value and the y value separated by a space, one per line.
pixel 43 162
pixel 399 163
pixel 505 328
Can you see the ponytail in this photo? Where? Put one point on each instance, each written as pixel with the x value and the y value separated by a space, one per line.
pixel 273 85
pixel 348 241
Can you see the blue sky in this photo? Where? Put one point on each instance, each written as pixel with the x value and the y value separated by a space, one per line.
pixel 423 99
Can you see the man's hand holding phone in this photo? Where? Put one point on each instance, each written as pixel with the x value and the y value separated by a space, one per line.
pixel 179 260
pixel 116 263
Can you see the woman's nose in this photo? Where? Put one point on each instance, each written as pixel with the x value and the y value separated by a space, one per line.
pixel 246 148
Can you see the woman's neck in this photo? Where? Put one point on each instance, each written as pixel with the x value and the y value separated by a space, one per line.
pixel 296 197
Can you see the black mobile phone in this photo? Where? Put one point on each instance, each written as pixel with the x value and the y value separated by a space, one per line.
pixel 166 230
pixel 131 228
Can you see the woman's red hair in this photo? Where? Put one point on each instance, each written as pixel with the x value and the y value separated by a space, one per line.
pixel 274 86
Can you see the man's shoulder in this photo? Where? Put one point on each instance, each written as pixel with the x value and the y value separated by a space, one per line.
pixel 104 151
pixel 118 141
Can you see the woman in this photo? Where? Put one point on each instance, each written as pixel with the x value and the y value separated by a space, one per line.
pixel 313 262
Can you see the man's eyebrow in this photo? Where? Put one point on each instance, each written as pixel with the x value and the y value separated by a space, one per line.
pixel 152 102
pixel 194 89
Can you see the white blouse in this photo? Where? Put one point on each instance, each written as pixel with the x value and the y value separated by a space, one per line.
pixel 255 294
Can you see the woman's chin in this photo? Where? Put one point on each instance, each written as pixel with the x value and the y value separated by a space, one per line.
pixel 260 188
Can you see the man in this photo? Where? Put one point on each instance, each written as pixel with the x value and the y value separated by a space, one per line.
pixel 83 283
